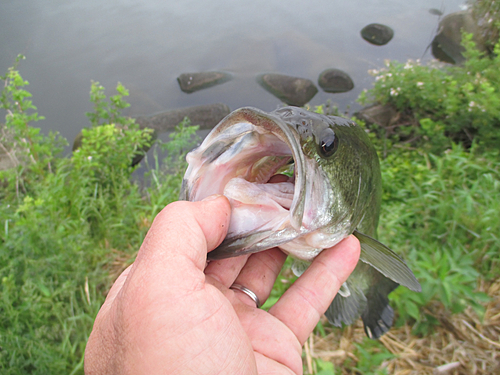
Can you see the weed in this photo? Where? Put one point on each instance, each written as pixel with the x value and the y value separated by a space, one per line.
pixel 64 220
pixel 371 356
pixel 443 104
pixel 440 212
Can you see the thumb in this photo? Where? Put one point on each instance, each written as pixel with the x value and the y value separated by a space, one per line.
pixel 184 232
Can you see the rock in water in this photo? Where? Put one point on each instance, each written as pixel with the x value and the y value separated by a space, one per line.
pixel 335 80
pixel 447 44
pixel 435 12
pixel 378 34
pixel 379 114
pixel 291 90
pixel 191 82
pixel 206 116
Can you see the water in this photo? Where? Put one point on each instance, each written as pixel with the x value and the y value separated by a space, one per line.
pixel 146 45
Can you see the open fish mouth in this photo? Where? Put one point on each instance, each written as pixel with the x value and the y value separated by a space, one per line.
pixel 241 159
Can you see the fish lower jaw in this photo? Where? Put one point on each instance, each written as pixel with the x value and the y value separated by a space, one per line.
pixel 299 249
pixel 305 254
pixel 308 246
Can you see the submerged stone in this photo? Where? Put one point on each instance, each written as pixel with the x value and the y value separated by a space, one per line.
pixel 379 114
pixel 206 116
pixel 191 82
pixel 376 33
pixel 335 80
pixel 435 12
pixel 291 90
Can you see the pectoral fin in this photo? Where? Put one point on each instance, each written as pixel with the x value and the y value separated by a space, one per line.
pixel 368 297
pixel 345 309
pixel 299 267
pixel 386 261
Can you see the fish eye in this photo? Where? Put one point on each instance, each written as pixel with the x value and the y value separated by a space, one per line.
pixel 328 143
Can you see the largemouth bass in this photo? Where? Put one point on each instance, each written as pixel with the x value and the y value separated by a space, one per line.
pixel 329 187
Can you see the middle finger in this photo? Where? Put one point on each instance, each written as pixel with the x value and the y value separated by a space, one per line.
pixel 301 306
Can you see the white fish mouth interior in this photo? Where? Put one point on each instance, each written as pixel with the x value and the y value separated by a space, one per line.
pixel 244 173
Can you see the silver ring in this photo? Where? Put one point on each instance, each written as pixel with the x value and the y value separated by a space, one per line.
pixel 248 292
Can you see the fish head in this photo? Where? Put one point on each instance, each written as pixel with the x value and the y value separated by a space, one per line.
pixel 333 183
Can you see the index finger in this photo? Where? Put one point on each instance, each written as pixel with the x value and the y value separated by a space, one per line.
pixel 302 305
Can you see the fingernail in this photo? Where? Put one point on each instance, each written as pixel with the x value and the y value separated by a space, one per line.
pixel 211 197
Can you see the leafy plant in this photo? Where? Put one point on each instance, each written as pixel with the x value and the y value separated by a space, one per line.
pixel 371 356
pixel 440 212
pixel 29 151
pixel 108 112
pixel 440 104
pixel 440 186
pixel 66 225
pixel 487 14
pixel 324 367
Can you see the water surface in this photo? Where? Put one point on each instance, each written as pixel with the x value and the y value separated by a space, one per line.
pixel 146 45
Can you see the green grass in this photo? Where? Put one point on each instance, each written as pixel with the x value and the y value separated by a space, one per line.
pixel 441 212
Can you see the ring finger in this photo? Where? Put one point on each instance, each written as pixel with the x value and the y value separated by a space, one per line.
pixel 259 274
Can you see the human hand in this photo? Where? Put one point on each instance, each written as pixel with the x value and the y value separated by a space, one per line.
pixel 169 314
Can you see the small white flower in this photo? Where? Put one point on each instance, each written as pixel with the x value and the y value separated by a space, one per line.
pixel 472 104
pixel 420 84
pixel 394 92
pixel 89 158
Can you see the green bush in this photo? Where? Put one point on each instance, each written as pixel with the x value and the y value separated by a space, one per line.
pixel 440 204
pixel 29 151
pixel 65 222
pixel 487 14
pixel 443 104
pixel 441 212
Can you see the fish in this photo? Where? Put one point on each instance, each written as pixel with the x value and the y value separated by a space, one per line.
pixel 302 182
